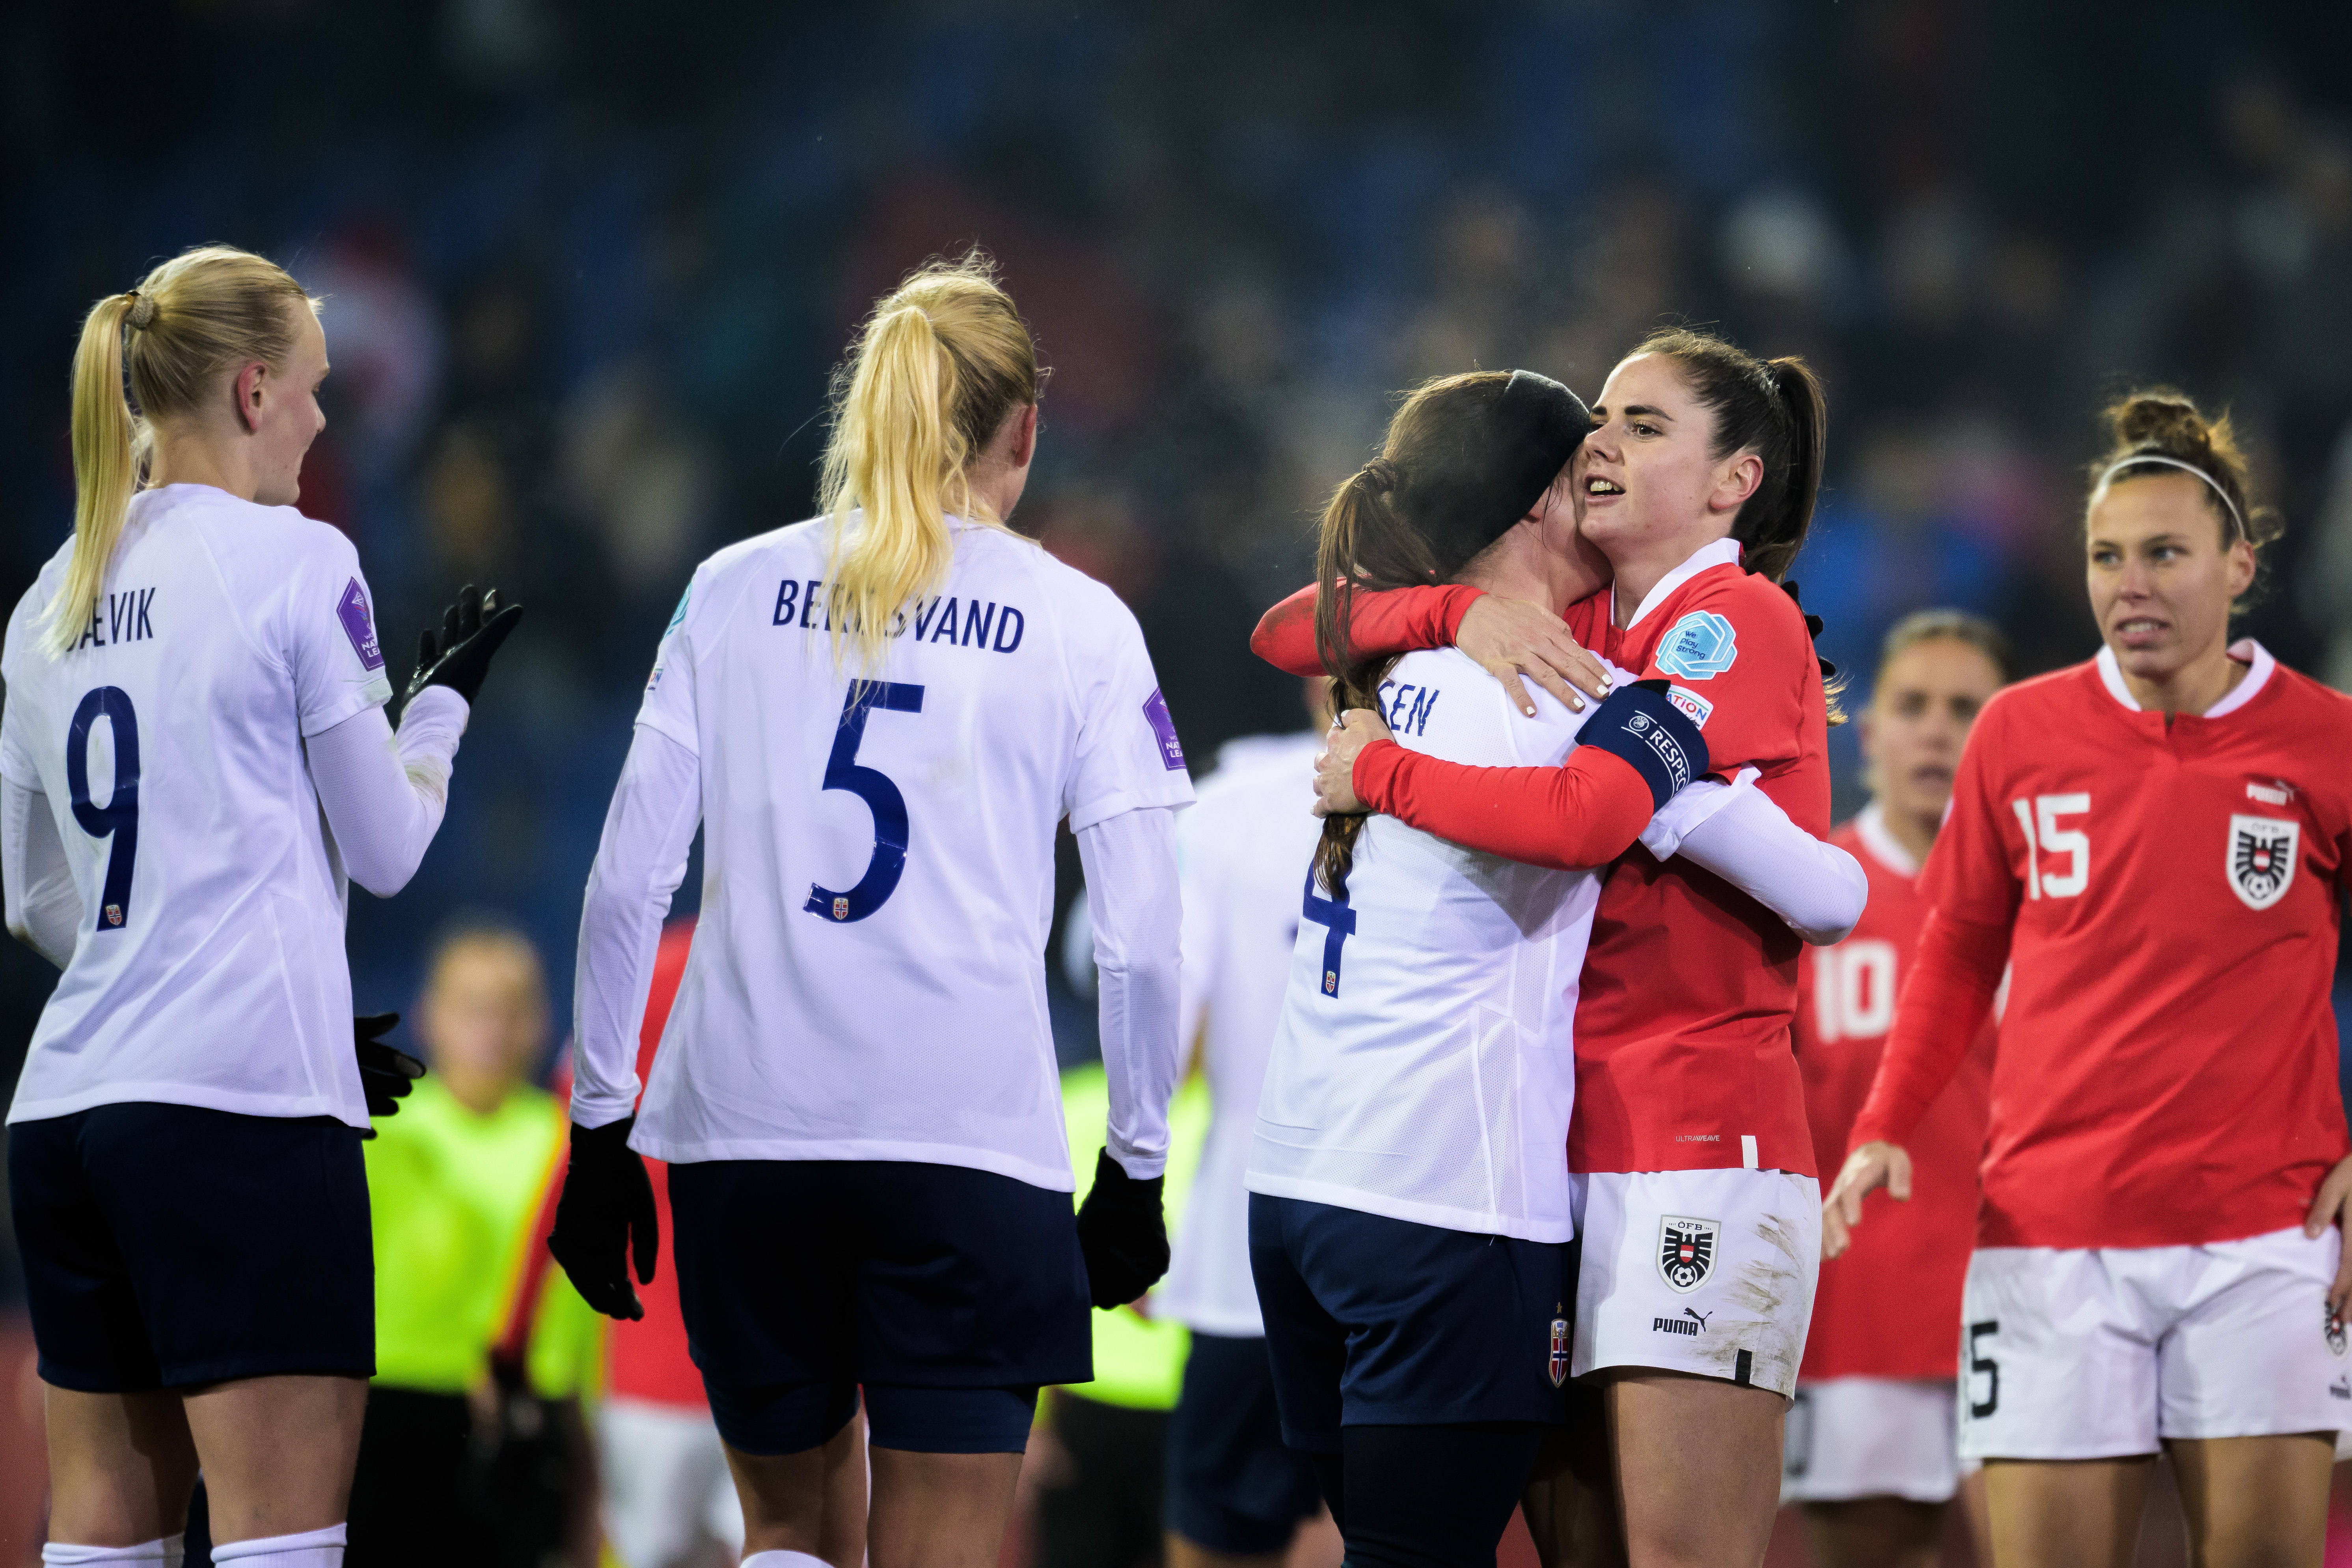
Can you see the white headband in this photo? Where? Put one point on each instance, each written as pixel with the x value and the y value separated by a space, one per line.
pixel 2185 468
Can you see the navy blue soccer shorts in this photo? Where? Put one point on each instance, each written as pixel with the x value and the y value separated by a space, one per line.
pixel 167 1246
pixel 1374 1322
pixel 1234 1485
pixel 946 1294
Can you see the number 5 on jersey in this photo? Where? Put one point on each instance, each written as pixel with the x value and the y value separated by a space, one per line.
pixel 2046 835
pixel 843 771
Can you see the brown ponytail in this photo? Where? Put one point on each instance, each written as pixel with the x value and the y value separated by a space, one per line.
pixel 1419 513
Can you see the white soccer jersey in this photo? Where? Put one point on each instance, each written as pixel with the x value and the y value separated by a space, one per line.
pixel 1425 1068
pixel 868 980
pixel 209 968
pixel 1243 850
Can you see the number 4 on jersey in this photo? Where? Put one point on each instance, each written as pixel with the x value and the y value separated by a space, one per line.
pixel 843 771
pixel 1338 923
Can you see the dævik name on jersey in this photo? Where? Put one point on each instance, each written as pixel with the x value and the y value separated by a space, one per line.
pixel 119 617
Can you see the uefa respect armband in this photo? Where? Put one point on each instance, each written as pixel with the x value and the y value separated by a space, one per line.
pixel 1641 723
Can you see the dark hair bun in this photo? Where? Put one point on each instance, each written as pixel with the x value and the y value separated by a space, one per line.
pixel 2165 422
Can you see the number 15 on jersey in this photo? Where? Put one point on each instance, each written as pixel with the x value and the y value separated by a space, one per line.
pixel 2043 818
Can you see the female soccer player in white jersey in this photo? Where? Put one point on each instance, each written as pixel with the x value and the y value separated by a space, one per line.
pixel 878 716
pixel 1411 1198
pixel 2154 843
pixel 1236 1493
pixel 192 759
pixel 1697 1203
pixel 1871 1451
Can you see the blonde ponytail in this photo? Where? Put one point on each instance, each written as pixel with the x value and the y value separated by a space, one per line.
pixel 106 459
pixel 188 321
pixel 941 363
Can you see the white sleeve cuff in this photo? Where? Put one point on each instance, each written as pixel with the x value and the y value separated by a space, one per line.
pixel 1690 806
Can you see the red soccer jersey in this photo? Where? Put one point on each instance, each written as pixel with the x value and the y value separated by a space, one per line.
pixel 2169 898
pixel 1885 1308
pixel 650 1359
pixel 1683 1056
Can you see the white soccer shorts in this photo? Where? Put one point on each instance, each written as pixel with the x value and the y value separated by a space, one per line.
pixel 2098 1353
pixel 1853 1437
pixel 666 1492
pixel 1709 1272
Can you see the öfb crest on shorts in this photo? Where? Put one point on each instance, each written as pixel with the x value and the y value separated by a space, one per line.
pixel 1687 1251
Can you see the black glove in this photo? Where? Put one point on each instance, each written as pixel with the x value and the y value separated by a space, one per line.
pixel 386 1072
pixel 1813 628
pixel 604 1217
pixel 1122 1235
pixel 471 631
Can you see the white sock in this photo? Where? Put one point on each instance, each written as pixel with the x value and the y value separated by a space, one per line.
pixel 784 1560
pixel 162 1553
pixel 311 1549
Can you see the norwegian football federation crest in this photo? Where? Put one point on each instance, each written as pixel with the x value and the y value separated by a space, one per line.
pixel 840 908
pixel 114 914
pixel 1686 1251
pixel 1700 647
pixel 2337 1341
pixel 2260 862
pixel 1558 1366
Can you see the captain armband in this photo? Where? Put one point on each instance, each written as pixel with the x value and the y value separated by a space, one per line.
pixel 1640 724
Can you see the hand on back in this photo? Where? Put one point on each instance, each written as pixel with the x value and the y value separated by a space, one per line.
pixel 1510 638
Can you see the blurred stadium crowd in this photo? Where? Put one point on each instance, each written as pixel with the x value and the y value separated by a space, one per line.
pixel 588 265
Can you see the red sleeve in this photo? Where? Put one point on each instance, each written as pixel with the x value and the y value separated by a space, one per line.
pixel 1586 812
pixel 1971 890
pixel 1394 620
pixel 1945 1000
pixel 1739 646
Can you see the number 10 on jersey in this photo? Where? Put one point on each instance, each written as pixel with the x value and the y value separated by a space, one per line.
pixel 843 771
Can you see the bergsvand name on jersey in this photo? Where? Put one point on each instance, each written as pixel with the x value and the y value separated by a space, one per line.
pixel 123 618
pixel 972 623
